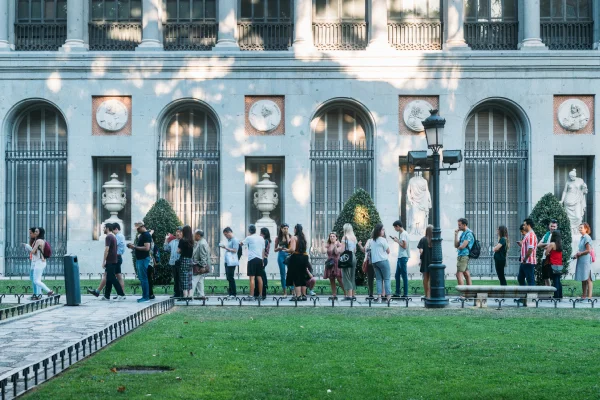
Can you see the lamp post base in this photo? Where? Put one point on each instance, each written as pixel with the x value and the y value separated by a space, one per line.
pixel 437 298
pixel 437 303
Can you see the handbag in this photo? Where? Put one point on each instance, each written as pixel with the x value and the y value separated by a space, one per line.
pixel 286 260
pixel 329 263
pixel 365 266
pixel 593 255
pixel 346 258
pixel 197 269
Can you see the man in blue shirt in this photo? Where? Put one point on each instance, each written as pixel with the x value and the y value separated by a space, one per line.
pixel 463 241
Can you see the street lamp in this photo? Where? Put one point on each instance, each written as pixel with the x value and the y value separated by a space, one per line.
pixel 434 133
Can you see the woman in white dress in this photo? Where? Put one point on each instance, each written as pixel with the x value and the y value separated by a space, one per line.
pixel 583 270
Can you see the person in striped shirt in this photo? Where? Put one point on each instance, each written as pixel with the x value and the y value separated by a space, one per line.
pixel 528 259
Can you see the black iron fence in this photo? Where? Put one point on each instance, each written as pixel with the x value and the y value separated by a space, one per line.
pixel 115 36
pixel 265 36
pixel 190 35
pixel 568 35
pixel 40 36
pixel 492 35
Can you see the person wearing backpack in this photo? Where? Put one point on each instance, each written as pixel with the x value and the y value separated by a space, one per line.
pixel 40 251
pixel 232 259
pixel 463 241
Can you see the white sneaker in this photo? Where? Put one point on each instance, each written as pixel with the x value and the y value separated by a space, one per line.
pixel 121 298
pixel 312 293
pixel 102 298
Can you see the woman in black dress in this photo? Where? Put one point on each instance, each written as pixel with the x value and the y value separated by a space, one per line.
pixel 425 249
pixel 298 263
pixel 500 252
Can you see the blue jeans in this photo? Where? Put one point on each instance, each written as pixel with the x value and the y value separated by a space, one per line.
pixel 401 268
pixel 526 271
pixel 36 290
pixel 142 271
pixel 382 271
pixel 558 285
pixel 280 258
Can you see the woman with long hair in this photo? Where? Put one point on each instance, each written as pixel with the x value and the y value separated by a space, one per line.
pixel 426 251
pixel 282 243
pixel 298 263
pixel 500 252
pixel 333 248
pixel 380 249
pixel 266 235
pixel 583 270
pixel 554 252
pixel 32 237
pixel 349 243
pixel 186 250
pixel 39 262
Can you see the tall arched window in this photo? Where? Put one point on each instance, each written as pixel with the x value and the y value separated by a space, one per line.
pixel 341 162
pixel 340 24
pixel 496 187
pixel 36 186
pixel 188 170
pixel 567 24
pixel 491 24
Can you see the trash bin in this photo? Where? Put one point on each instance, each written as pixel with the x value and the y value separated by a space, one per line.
pixel 72 280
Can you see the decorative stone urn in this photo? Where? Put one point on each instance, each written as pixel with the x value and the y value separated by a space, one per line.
pixel 114 200
pixel 266 199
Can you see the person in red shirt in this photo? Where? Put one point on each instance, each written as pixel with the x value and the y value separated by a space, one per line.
pixel 528 259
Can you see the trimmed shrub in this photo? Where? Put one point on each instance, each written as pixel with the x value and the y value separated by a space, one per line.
pixel 161 219
pixel 360 212
pixel 546 209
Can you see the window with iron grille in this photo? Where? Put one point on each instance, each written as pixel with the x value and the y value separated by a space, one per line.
pixel 415 25
pixel 191 10
pixel 496 187
pixel 341 161
pixel 265 24
pixel 36 187
pixel 188 171
pixel 340 24
pixel 40 24
pixel 115 24
pixel 190 25
pixel 491 24
pixel 567 24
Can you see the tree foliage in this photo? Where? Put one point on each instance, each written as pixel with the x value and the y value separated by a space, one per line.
pixel 360 212
pixel 546 209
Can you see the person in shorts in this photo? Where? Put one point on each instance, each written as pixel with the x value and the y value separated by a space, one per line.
pixel 463 241
pixel 256 252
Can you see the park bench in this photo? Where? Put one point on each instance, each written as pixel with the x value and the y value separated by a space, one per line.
pixel 480 293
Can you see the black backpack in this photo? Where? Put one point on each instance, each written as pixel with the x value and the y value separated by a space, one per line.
pixel 475 250
pixel 239 251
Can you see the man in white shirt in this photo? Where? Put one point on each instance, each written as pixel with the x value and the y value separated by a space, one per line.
pixel 403 256
pixel 231 259
pixel 256 247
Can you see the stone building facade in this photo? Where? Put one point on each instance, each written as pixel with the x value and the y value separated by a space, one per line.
pixel 164 95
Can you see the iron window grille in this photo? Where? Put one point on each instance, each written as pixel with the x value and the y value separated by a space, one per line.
pixel 415 25
pixel 190 24
pixel 492 24
pixel 40 25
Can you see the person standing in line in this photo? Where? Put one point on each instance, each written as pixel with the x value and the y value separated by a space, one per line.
pixel 583 269
pixel 403 256
pixel 528 258
pixel 282 242
pixel 425 247
pixel 35 290
pixel 266 235
pixel 370 271
pixel 142 257
pixel 256 250
pixel 500 252
pixel 200 257
pixel 333 248
pixel 547 274
pixel 380 250
pixel 463 241
pixel 170 246
pixel 349 242
pixel 109 263
pixel 554 253
pixel 39 262
pixel 298 263
pixel 120 251
pixel 231 260
pixel 185 248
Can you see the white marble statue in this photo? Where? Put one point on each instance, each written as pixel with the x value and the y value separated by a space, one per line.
pixel 418 204
pixel 573 199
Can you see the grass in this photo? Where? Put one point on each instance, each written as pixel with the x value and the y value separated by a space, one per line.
pixel 322 353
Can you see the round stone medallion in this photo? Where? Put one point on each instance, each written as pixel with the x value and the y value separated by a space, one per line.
pixel 573 115
pixel 112 115
pixel 264 115
pixel 415 112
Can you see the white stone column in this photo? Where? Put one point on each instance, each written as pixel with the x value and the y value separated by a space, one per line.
pixel 227 35
pixel 531 27
pixel 378 30
pixel 75 27
pixel 4 43
pixel 455 23
pixel 303 34
pixel 151 40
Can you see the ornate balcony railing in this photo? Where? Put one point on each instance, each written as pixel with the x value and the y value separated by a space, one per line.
pixel 39 37
pixel 340 35
pixel 265 35
pixel 568 35
pixel 190 35
pixel 492 35
pixel 415 35
pixel 115 36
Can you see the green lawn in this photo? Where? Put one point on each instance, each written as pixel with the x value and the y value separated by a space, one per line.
pixel 221 284
pixel 323 353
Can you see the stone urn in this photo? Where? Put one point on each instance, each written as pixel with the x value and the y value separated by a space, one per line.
pixel 114 200
pixel 265 198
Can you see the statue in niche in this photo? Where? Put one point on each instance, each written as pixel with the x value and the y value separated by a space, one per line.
pixel 418 204
pixel 573 199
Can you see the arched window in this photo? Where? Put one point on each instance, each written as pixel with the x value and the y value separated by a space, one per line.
pixel 36 186
pixel 340 24
pixel 188 170
pixel 496 187
pixel 341 162
pixel 491 24
pixel 567 24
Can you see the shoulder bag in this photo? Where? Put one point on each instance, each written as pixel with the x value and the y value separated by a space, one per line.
pixel 346 258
